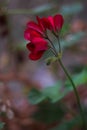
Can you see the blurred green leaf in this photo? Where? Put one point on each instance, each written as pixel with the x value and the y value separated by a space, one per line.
pixel 1 125
pixel 72 39
pixel 34 11
pixel 78 79
pixel 42 9
pixel 65 29
pixel 71 9
pixel 54 93
pixel 35 96
pixel 68 125
pixel 49 112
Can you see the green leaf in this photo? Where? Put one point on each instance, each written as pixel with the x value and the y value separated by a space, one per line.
pixel 1 125
pixel 49 112
pixel 78 79
pixel 65 29
pixel 54 93
pixel 42 9
pixel 68 125
pixel 71 9
pixel 35 96
pixel 34 11
pixel 72 39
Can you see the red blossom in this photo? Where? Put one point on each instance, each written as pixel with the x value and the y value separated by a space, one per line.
pixel 36 56
pixel 36 34
pixel 36 27
pixel 29 34
pixel 37 48
pixel 53 23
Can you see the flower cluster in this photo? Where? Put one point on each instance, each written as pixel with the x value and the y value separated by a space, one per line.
pixel 36 34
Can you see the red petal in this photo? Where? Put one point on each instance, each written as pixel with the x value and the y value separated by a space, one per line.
pixel 34 34
pixel 46 23
pixel 27 34
pixel 51 23
pixel 40 23
pixel 58 21
pixel 34 26
pixel 37 46
pixel 37 40
pixel 30 46
pixel 36 56
pixel 42 46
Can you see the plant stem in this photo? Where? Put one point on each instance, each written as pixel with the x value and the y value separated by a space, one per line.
pixel 70 79
pixel 76 93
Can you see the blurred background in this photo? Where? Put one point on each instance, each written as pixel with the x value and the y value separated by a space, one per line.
pixel 18 74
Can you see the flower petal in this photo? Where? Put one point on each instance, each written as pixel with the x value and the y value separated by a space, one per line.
pixel 51 23
pixel 27 34
pixel 36 56
pixel 58 21
pixel 34 26
pixel 40 23
pixel 30 46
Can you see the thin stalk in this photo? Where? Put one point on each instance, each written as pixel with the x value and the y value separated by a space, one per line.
pixel 73 85
pixel 75 91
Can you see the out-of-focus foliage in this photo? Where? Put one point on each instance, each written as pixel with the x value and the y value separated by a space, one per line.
pixel 71 9
pixel 1 125
pixel 68 125
pixel 54 93
pixel 72 39
pixel 79 79
pixel 48 97
pixel 49 112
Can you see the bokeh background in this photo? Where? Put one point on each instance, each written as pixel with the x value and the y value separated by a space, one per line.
pixel 18 74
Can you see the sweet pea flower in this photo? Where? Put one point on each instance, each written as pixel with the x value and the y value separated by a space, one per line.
pixel 36 34
pixel 53 23
pixel 37 48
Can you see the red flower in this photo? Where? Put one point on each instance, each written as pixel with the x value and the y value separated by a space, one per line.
pixel 29 34
pixel 37 48
pixel 36 33
pixel 52 23
pixel 36 27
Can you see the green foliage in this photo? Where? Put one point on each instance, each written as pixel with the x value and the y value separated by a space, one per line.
pixel 65 29
pixel 68 125
pixel 35 96
pixel 72 39
pixel 71 9
pixel 53 93
pixel 1 125
pixel 42 9
pixel 35 11
pixel 80 78
pixel 49 112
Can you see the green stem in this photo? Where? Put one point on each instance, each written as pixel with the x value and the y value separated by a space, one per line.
pixel 76 93
pixel 70 79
